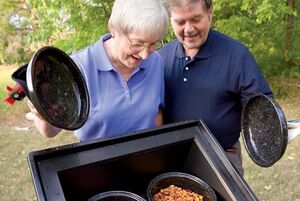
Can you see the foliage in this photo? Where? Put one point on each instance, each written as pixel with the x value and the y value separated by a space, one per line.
pixel 73 24
pixel 12 32
pixel 70 24
pixel 261 26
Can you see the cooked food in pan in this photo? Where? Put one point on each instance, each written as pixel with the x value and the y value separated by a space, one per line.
pixel 174 193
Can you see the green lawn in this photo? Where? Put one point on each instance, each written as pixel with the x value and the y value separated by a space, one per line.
pixel 15 179
pixel 18 138
pixel 277 183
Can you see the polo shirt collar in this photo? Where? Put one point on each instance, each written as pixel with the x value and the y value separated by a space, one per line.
pixel 100 56
pixel 203 53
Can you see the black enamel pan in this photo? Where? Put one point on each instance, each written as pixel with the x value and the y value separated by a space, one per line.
pixel 264 130
pixel 56 87
pixel 117 196
pixel 183 180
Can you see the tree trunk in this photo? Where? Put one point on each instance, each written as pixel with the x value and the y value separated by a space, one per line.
pixel 288 36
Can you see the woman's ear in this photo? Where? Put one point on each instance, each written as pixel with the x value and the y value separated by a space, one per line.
pixel 111 30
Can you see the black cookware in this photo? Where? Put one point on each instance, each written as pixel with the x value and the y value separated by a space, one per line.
pixel 55 86
pixel 182 180
pixel 116 196
pixel 264 130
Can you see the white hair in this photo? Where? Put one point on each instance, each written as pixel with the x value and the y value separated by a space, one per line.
pixel 147 17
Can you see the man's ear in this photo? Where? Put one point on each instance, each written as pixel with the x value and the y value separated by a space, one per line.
pixel 210 13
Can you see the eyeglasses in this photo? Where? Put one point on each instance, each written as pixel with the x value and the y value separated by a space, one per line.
pixel 138 47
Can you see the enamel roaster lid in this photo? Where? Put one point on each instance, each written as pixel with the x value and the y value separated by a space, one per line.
pixel 264 130
pixel 55 86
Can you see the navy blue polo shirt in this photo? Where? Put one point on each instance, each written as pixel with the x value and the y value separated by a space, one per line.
pixel 212 86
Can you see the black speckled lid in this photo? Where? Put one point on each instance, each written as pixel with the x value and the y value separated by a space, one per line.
pixel 117 196
pixel 264 130
pixel 55 86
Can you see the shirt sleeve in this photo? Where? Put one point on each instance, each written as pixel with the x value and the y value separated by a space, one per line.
pixel 162 94
pixel 250 78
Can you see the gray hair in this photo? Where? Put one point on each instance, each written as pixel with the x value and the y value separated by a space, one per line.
pixel 207 4
pixel 148 17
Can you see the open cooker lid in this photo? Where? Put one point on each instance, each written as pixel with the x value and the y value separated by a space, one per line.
pixel 264 130
pixel 55 86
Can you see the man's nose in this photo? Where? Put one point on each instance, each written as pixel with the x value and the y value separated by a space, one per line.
pixel 188 28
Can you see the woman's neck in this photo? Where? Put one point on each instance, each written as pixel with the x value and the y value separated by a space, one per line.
pixel 121 68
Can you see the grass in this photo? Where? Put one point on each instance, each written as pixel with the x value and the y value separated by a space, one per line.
pixel 15 178
pixel 279 182
pixel 18 138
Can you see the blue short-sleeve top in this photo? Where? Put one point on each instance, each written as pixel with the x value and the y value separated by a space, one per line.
pixel 118 106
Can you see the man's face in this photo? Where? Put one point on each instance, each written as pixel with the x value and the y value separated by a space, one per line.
pixel 191 24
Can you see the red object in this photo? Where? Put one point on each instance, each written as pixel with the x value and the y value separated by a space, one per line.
pixel 14 93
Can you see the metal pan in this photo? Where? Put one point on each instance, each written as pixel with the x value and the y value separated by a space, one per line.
pixel 116 196
pixel 182 180
pixel 56 88
pixel 264 130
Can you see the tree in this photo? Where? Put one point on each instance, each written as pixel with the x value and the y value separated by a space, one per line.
pixel 12 32
pixel 70 24
pixel 269 28
pixel 266 27
pixel 289 34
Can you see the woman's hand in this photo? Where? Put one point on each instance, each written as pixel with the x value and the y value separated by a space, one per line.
pixel 34 111
pixel 44 127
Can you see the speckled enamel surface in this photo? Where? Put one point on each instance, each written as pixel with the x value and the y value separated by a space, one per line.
pixel 57 88
pixel 264 130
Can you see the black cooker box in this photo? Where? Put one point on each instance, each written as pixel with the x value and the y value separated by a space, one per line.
pixel 76 172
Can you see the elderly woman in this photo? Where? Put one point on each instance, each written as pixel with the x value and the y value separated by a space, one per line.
pixel 123 74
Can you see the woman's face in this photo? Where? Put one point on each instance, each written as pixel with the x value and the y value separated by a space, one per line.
pixel 133 48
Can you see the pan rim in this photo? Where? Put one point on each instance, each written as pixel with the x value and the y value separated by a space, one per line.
pixel 280 118
pixel 82 114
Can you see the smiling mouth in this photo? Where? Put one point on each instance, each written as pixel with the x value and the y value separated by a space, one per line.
pixel 190 36
pixel 136 58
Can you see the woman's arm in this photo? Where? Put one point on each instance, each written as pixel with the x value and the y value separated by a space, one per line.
pixel 44 127
pixel 158 119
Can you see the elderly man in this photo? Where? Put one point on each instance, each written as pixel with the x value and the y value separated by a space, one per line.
pixel 208 75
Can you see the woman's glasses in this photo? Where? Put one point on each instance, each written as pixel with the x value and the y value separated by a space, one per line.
pixel 138 47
